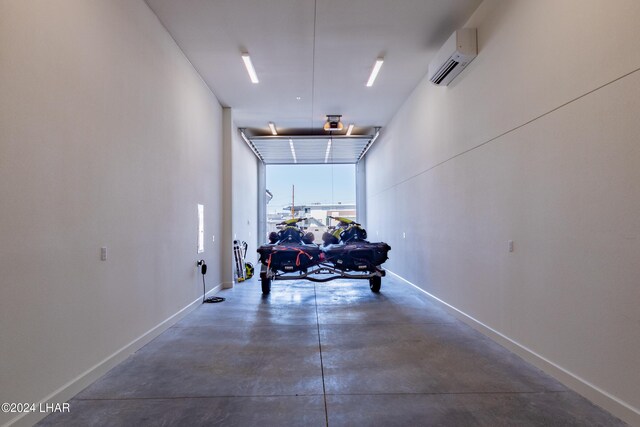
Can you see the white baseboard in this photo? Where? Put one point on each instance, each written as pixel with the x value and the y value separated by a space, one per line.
pixel 605 400
pixel 76 385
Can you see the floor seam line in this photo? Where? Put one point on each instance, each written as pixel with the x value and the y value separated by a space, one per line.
pixel 193 397
pixel 461 393
pixel 324 390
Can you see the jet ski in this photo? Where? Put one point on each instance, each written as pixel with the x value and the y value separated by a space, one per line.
pixel 290 250
pixel 346 254
pixel 347 249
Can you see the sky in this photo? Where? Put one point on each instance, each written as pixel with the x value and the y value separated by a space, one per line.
pixel 313 184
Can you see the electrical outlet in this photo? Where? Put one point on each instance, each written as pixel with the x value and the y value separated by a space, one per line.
pixel 103 253
pixel 510 245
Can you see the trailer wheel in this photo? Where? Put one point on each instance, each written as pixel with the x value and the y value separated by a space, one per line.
pixel 266 283
pixel 374 283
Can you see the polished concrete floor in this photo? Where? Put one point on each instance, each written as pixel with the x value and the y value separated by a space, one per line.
pixel 326 354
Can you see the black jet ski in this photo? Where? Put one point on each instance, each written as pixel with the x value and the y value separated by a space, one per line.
pixel 346 254
pixel 290 250
pixel 347 249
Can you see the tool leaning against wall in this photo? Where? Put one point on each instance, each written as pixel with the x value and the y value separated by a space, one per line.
pixel 243 270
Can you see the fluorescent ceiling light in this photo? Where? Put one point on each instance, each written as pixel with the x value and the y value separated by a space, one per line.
pixel 252 71
pixel 326 154
pixel 350 129
pixel 293 151
pixel 374 72
pixel 273 128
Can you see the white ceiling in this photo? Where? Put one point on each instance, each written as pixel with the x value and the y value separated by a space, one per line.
pixel 319 50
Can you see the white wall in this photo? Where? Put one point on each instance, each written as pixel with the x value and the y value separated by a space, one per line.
pixel 108 137
pixel 245 195
pixel 240 198
pixel 536 142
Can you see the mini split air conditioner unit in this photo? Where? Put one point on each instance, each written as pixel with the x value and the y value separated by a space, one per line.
pixel 457 52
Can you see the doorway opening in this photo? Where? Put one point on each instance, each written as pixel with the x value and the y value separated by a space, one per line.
pixel 312 192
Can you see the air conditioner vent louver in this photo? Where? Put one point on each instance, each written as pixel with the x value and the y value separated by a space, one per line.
pixel 457 52
pixel 444 71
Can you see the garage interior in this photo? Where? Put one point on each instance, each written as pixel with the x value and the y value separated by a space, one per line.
pixel 510 199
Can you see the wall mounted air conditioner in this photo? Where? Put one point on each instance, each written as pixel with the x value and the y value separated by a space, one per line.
pixel 457 52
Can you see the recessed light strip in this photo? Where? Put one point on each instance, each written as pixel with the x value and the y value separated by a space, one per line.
pixel 273 128
pixel 375 71
pixel 249 65
pixel 326 154
pixel 293 151
pixel 350 129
